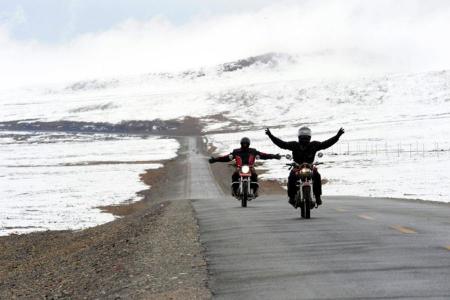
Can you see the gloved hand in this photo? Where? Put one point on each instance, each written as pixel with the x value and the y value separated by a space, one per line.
pixel 340 132
pixel 212 160
pixel 268 132
pixel 277 156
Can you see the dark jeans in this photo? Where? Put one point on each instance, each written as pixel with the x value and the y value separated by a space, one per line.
pixel 292 184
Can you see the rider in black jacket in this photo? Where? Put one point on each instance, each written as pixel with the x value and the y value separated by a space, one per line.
pixel 244 156
pixel 304 151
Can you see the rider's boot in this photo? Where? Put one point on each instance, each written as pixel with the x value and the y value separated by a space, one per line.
pixel 234 189
pixel 318 200
pixel 292 202
pixel 255 187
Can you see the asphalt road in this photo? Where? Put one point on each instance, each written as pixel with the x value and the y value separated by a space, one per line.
pixel 351 248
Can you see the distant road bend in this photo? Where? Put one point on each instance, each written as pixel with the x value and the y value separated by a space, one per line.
pixel 352 248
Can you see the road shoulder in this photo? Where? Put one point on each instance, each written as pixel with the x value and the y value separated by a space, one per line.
pixel 151 252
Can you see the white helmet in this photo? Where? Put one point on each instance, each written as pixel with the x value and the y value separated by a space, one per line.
pixel 304 131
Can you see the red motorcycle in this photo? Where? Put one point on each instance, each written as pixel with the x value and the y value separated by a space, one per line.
pixel 246 189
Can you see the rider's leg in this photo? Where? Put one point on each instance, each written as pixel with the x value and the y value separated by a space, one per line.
pixel 254 178
pixel 317 186
pixel 235 182
pixel 292 187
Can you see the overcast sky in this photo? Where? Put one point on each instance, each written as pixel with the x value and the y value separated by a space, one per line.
pixel 56 21
pixel 60 40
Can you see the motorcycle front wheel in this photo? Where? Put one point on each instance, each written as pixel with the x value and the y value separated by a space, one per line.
pixel 244 194
pixel 307 201
pixel 300 204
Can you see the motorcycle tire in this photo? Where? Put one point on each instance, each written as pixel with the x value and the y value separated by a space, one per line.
pixel 307 201
pixel 244 194
pixel 300 205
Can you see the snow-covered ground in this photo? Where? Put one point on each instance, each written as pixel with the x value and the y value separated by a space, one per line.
pixel 396 144
pixel 396 126
pixel 361 167
pixel 56 180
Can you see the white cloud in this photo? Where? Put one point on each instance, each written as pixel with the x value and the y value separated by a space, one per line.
pixel 381 35
pixel 13 18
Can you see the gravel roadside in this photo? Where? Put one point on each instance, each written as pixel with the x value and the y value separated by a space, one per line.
pixel 151 252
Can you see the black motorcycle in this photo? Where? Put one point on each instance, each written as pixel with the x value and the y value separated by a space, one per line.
pixel 304 198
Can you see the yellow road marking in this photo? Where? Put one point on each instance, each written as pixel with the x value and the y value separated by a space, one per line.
pixel 366 217
pixel 341 209
pixel 403 229
pixel 447 247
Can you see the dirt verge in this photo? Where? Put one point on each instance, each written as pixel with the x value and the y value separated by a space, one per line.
pixel 151 252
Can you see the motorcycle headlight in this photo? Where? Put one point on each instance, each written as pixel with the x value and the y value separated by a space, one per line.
pixel 245 169
pixel 305 171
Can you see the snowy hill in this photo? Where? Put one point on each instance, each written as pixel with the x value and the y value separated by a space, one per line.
pixel 396 145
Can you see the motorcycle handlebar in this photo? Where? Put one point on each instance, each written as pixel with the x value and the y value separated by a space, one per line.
pixel 296 164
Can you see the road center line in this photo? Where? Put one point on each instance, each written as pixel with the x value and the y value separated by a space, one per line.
pixel 403 229
pixel 366 217
pixel 341 209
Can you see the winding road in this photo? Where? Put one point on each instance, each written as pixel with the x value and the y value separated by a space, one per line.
pixel 351 248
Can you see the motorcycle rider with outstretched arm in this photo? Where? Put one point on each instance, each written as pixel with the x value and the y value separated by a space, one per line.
pixel 304 151
pixel 244 156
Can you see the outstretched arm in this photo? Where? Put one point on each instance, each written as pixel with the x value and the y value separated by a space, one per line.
pixel 280 143
pixel 225 158
pixel 330 142
pixel 263 155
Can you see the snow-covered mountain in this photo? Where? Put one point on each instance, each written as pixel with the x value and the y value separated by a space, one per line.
pixel 396 145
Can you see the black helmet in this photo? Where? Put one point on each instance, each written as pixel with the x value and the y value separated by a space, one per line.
pixel 245 140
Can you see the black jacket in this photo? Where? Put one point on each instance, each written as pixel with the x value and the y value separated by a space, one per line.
pixel 304 154
pixel 245 156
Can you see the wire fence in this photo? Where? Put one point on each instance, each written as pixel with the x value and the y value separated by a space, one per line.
pixel 391 150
